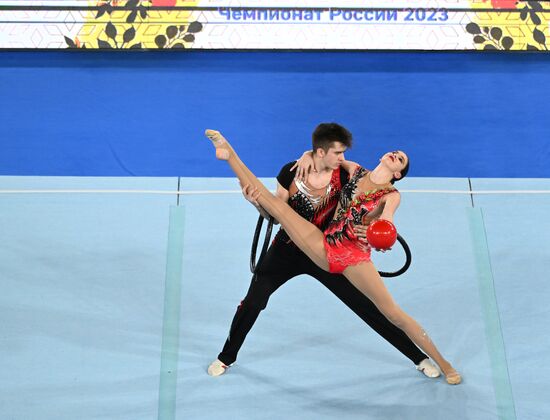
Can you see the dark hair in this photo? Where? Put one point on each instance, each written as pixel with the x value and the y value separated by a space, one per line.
pixel 327 133
pixel 404 172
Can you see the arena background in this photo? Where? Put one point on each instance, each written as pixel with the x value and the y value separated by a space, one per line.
pixel 458 114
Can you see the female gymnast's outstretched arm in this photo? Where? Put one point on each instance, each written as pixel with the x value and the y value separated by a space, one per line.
pixel 309 239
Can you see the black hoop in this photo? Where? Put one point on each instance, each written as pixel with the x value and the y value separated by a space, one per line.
pixel 407 260
pixel 259 224
pixel 253 263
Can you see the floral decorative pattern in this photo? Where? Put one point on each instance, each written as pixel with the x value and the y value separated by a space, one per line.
pixel 522 25
pixel 136 24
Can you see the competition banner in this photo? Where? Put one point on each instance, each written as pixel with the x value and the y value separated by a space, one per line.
pixel 498 25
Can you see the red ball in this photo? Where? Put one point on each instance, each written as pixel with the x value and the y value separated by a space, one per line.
pixel 381 234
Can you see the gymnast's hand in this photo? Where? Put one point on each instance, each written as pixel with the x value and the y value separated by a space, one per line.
pixel 361 232
pixel 304 166
pixel 251 194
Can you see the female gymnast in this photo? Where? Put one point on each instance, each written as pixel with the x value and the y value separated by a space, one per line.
pixel 338 249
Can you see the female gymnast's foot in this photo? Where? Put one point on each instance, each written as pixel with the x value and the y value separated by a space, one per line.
pixel 452 376
pixel 220 143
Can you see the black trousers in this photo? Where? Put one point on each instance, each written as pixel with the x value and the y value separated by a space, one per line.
pixel 284 261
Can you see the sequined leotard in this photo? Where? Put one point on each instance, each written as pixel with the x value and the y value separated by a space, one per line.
pixel 320 211
pixel 341 244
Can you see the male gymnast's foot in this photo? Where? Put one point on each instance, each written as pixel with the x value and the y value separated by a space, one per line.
pixel 427 367
pixel 217 368
pixel 220 143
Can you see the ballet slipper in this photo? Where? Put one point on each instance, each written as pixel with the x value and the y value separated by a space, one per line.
pixel 218 141
pixel 453 377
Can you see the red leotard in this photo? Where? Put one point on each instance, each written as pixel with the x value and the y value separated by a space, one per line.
pixel 341 244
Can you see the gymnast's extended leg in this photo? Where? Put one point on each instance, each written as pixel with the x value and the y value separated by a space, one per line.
pixel 365 277
pixel 304 234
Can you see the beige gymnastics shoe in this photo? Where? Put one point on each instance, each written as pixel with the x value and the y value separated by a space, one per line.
pixel 427 367
pixel 217 368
